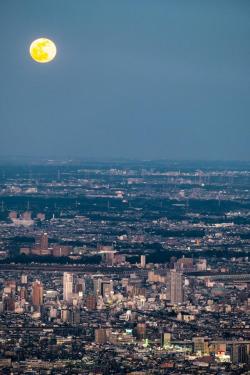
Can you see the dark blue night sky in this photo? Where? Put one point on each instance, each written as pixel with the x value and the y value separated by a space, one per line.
pixel 143 79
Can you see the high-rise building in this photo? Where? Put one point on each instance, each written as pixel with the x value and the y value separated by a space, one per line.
pixel 141 330
pixel 106 288
pixel 37 293
pixel 176 287
pixel 67 286
pixel 42 245
pixel 80 287
pixel 165 338
pixel 23 293
pixel 242 354
pixel 91 302
pixel 143 261
pixel 75 316
pixel 24 279
pixel 44 241
pixel 64 314
pixel 239 353
pixel 100 336
pixel 97 286
pixel 109 257
pixel 9 303
pixel 200 345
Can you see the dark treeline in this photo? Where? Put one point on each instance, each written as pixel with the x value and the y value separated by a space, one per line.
pixel 165 256
pixel 157 256
pixel 152 207
pixel 27 259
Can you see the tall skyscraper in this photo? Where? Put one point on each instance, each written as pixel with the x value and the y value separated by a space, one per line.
pixel 67 286
pixel 44 241
pixel 97 286
pixel 165 338
pixel 176 287
pixel 100 336
pixel 106 288
pixel 24 279
pixel 91 302
pixel 79 287
pixel 242 354
pixel 23 293
pixel 141 330
pixel 143 261
pixel 41 245
pixel 37 293
pixel 200 345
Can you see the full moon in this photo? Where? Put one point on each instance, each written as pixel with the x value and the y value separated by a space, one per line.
pixel 43 50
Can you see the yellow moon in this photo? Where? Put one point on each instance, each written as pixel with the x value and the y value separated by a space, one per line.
pixel 43 50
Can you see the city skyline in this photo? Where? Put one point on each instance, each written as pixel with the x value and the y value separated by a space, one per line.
pixel 145 259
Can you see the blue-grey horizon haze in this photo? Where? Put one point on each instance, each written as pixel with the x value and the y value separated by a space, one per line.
pixel 143 79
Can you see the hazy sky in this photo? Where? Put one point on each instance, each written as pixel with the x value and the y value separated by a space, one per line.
pixel 132 78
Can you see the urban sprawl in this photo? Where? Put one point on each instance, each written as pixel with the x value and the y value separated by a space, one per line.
pixel 124 268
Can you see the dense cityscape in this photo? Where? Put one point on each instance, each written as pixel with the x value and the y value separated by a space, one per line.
pixel 124 187
pixel 124 268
